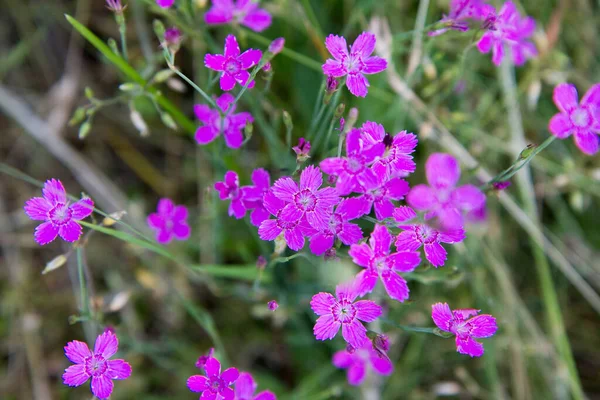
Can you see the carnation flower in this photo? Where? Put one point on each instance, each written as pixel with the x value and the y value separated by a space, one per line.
pixel 215 384
pixel 379 191
pixel 397 159
pixel 302 150
pixel 232 64
pixel 359 361
pixel 225 122
pixel 461 11
pixel 165 3
pixel 169 221
pixel 201 362
pixel 245 388
pixel 243 12
pixel 229 189
pixel 272 305
pixel 417 235
pixel 252 196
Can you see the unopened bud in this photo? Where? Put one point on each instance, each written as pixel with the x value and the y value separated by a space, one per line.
pixel 267 67
pixel 381 342
pixel 204 358
pixel 78 116
pixel 280 245
pixel 113 218
pixel 129 87
pixel 272 305
pixel 112 43
pixel 501 185
pixel 339 111
pixel 332 84
pixel 159 29
pixel 55 263
pixel 84 129
pixel 261 262
pixel 173 39
pixel 527 151
pixel 351 120
pixel 89 93
pixel 302 150
pixel 331 255
pixel 163 75
pixel 349 348
pixel 138 122
pixel 287 120
pixel 168 121
pixel 276 46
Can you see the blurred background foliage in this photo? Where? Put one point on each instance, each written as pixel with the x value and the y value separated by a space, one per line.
pixel 166 316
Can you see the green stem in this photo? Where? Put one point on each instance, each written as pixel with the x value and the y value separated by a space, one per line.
pixel 196 87
pixel 85 308
pixel 123 32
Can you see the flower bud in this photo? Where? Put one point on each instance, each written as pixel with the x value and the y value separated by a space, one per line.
pixel 272 305
pixel 349 348
pixel 267 67
pixel 55 263
pixel 302 150
pixel 339 110
pixel 276 46
pixel 138 121
pixel 261 262
pixel 115 6
pixel 332 84
pixel 173 39
pixel 501 185
pixel 204 358
pixel 331 255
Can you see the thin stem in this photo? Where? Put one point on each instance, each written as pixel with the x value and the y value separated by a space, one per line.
pixel 196 87
pixel 85 308
pixel 123 33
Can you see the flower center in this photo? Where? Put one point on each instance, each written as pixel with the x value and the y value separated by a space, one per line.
pixel 95 365
pixel 425 234
pixel 354 64
pixel 232 66
pixel 215 384
pixel 60 214
pixel 305 200
pixel 335 223
pixel 580 117
pixel 354 166
pixel 344 312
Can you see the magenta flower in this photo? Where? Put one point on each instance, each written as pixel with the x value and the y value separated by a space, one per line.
pixel 442 199
pixel 165 3
pixel 229 189
pixel 350 169
pixel 348 233
pixel 252 196
pixel 272 305
pixel 582 120
pixel 230 124
pixel 461 11
pixel 354 64
pixel 245 388
pixel 232 64
pixel 379 191
pixel 169 221
pixel 60 216
pixel 345 313
pixel 466 330
pixel 201 362
pixel 360 360
pixel 508 28
pixel 95 365
pixel 276 46
pixel 243 12
pixel 302 150
pixel 397 159
pixel 215 385
pixel 375 257
pixel 417 235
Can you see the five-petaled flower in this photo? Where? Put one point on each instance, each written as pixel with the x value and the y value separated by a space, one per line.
pixel 215 385
pixel 302 150
pixel 245 386
pixel 60 216
pixel 580 119
pixel 360 360
pixel 232 64
pixel 252 196
pixel 243 12
pixel 355 63
pixel 461 11
pixel 95 365
pixel 397 159
pixel 466 330
pixel 225 122
pixel 169 221
pixel 417 235
pixel 379 191
pixel 343 312
pixel 229 189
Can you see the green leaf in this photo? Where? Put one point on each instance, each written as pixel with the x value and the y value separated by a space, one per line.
pixel 241 272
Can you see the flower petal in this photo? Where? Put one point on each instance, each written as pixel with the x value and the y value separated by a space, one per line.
pixel 37 208
pixel 227 82
pixel 215 62
pixel 560 126
pixel 364 45
pixel 269 230
pixel 361 254
pixel 442 316
pixel 285 189
pixel 469 346
pixel 75 375
pixel 367 310
pixel 565 97
pixel 592 96
pixel 250 58
pixel 405 261
pixel 212 367
pixel 442 171
pixel 342 359
pixel 77 351
pixel 374 65
pixel 54 192
pixel 326 327
pixel 357 85
pixel 468 197
pixel 350 234
pixel 322 303
pixel 82 209
pixel 587 142
pixel 395 286
pixel 337 46
pixel 265 395
pixel 354 333
pixel 102 387
pixel 182 230
pixel 294 238
pixel 435 254
pixel 366 281
pixel 70 232
pixel 106 345
pixel 45 233
pixel 230 375
pixel 206 134
pixel 197 383
pixel 232 48
pixel 356 373
pixel 380 240
pixel 483 326
pixel 226 393
pixel 320 243
pixel 233 138
pixel 407 241
pixel 257 20
pixel 485 43
pixel 381 365
pixel 118 369
pixel 311 178
pixel 245 386
pixel 421 197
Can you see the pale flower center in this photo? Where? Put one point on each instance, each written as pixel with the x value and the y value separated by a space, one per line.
pixel 60 214
pixel 580 117
pixel 305 200
pixel 95 365
pixel 232 66
pixel 344 311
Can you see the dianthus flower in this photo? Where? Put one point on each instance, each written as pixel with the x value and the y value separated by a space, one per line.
pixel 580 119
pixel 95 365
pixel 397 159
pixel 361 360
pixel 461 11
pixel 243 12
pixel 230 125
pixel 165 3
pixel 302 150
pixel 229 189
pixel 354 64
pixel 508 28
pixel 466 330
pixel 169 221
pixel 252 196
pixel 201 362
pixel 442 199
pixel 215 385
pixel 343 312
pixel 245 388
pixel 232 64
pixel 379 191
pixel 375 257
pixel 417 235
pixel 60 216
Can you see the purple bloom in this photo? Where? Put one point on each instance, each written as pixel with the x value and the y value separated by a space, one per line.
pixel 582 120
pixel 354 64
pixel 460 12
pixel 397 159
pixel 245 388
pixel 232 64
pixel 508 28
pixel 115 6
pixel 345 313
pixel 276 45
pixel 375 257
pixel 173 38
pixel 442 199
pixel 165 3
pixel 501 185
pixel 60 217
pixel 204 358
pixel 244 12
pixel 456 322
pixel 360 360
pixel 302 150
pixel 350 169
pixel 169 221
pixel 95 365
pixel 215 384
pixel 252 196
pixel 417 235
pixel 272 305
pixel 379 191
pixel 229 189
pixel 231 125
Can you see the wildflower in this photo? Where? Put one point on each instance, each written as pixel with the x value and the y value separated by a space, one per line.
pixel 360 360
pixel 60 217
pixel 350 169
pixel 343 312
pixel 229 189
pixel 173 39
pixel 339 226
pixel 245 388
pixel 582 120
pixel 204 358
pixel 354 64
pixel 466 330
pixel 95 365
pixel 272 305
pixel 379 191
pixel 169 221
pixel 460 12
pixel 276 46
pixel 215 383
pixel 115 6
pixel 397 159
pixel 375 257
pixel 244 12
pixel 165 3
pixel 331 85
pixel 252 196
pixel 232 64
pixel 501 185
pixel 302 150
pixel 414 236
pixel 508 28
pixel 381 345
pixel 225 122
pixel 442 199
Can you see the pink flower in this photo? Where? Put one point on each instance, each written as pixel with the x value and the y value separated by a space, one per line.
pixel 252 196
pixel 204 358
pixel 232 64
pixel 354 64
pixel 379 191
pixel 417 235
pixel 397 159
pixel 360 360
pixel 442 199
pixel 95 365
pixel 60 217
pixel 165 3
pixel 302 150
pixel 245 388
pixel 466 330
pixel 345 313
pixel 169 221
pixel 115 6
pixel 215 384
pixel 276 46
pixel 508 28
pixel 582 120
pixel 229 189
pixel 244 12
pixel 460 12
pixel 375 257
pixel 350 169
pixel 230 124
